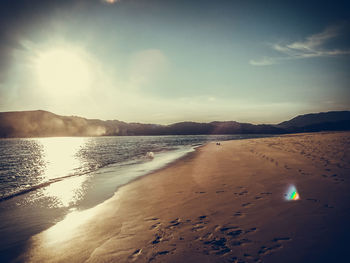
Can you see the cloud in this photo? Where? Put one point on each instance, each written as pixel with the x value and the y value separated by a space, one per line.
pixel 265 61
pixel 310 47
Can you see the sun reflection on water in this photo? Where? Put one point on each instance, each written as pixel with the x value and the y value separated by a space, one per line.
pixel 61 163
pixel 65 192
pixel 60 155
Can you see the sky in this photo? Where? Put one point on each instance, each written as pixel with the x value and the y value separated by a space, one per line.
pixel 160 61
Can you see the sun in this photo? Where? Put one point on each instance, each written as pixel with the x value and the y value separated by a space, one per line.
pixel 62 72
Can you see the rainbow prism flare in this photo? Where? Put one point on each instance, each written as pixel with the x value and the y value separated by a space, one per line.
pixel 292 194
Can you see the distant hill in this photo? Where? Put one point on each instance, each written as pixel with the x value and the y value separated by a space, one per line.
pixel 46 124
pixel 323 121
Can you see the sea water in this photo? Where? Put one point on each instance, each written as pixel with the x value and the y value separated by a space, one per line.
pixel 43 179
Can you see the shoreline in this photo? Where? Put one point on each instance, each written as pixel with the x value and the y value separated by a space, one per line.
pixel 32 188
pixel 156 217
pixel 55 180
pixel 32 212
pixel 70 176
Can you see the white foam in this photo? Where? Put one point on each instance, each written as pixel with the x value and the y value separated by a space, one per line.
pixel 107 180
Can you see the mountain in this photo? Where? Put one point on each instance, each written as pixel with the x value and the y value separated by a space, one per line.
pixel 323 121
pixel 46 124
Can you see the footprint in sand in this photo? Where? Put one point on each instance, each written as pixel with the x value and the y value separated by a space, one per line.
pixel 248 256
pixel 202 217
pixel 251 230
pixel 135 254
pixel 156 225
pixel 266 193
pixel 174 223
pixel 160 253
pixel 276 245
pixel 241 242
pixel 218 246
pixel 224 229
pixel 157 239
pixel 313 199
pixel 152 219
pixel 267 250
pixel 340 180
pixel 235 260
pixel 279 239
pixel 235 233
pixel 238 213
pixel 197 227
pixel 287 167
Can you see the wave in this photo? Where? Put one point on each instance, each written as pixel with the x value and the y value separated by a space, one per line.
pixel 38 186
pixel 164 157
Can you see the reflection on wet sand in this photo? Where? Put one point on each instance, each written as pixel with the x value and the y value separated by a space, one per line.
pixel 60 158
pixel 78 232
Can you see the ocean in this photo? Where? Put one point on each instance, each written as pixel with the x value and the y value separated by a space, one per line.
pixel 44 179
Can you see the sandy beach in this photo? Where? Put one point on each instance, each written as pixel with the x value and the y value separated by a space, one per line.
pixel 221 203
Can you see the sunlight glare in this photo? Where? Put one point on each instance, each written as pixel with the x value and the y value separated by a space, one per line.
pixel 60 155
pixel 61 159
pixel 65 192
pixel 67 228
pixel 76 224
pixel 62 72
pixel 110 1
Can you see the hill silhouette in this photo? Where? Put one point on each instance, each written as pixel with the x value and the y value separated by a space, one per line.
pixel 46 124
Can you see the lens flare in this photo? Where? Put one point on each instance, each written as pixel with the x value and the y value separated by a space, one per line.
pixel 110 1
pixel 292 194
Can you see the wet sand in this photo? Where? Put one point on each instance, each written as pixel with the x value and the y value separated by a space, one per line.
pixel 222 203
